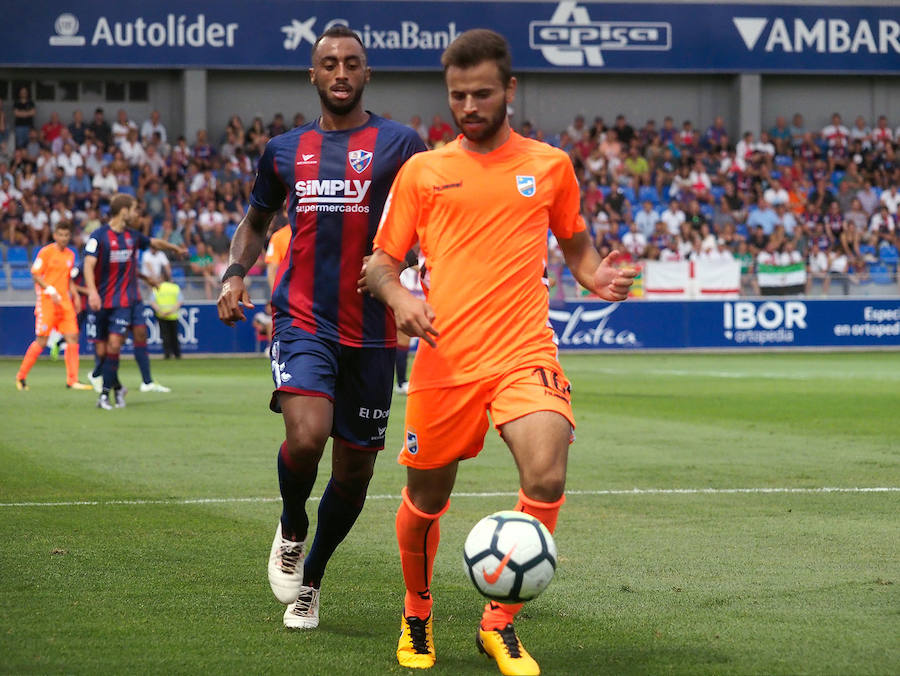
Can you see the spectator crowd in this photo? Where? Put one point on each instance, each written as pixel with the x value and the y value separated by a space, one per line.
pixel 828 198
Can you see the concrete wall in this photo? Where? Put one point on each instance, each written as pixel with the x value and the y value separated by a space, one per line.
pixel 548 100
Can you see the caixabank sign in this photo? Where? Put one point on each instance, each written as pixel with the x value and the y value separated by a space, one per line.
pixel 570 35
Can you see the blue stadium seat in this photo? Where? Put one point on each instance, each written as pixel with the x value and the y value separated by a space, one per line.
pixel 888 254
pixel 21 278
pixel 17 256
pixel 178 275
pixel 623 229
pixel 230 230
pixel 717 191
pixel 648 192
pixel 837 176
pixel 628 193
pixel 128 190
pixel 741 229
pixel 784 161
pixel 606 190
pixel 880 274
pixel 3 283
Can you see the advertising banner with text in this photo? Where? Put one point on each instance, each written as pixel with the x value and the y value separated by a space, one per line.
pixel 668 325
pixel 545 36
pixel 728 324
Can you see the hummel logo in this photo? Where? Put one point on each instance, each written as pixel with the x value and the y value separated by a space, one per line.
pixel 493 577
pixel 438 188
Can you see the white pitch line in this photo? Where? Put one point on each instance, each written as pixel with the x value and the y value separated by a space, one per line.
pixel 508 494
pixel 767 375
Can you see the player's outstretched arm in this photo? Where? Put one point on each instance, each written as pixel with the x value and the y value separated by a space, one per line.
pixel 246 245
pixel 413 315
pixel 600 276
pixel 165 245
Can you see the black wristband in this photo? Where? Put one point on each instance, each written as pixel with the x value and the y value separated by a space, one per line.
pixel 234 270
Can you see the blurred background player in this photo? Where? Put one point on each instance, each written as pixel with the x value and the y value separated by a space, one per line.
pixel 57 305
pixel 166 303
pixel 110 271
pixel 485 342
pixel 276 252
pixel 333 348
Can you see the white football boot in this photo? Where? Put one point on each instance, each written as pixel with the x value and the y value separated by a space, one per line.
pixel 286 568
pixel 304 612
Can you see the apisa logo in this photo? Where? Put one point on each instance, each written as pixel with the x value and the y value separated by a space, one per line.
pixel 571 38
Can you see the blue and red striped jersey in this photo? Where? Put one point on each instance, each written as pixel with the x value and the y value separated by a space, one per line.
pixel 336 183
pixel 117 264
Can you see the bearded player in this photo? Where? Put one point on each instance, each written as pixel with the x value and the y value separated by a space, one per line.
pixel 333 348
pixel 480 208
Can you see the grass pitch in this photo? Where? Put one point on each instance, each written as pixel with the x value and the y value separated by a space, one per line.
pixel 135 541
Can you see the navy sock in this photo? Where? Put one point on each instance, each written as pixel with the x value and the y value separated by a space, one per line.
pixel 338 511
pixel 295 490
pixel 98 366
pixel 400 362
pixel 110 371
pixel 143 361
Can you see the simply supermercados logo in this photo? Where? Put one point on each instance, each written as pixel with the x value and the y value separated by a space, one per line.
pixel 572 38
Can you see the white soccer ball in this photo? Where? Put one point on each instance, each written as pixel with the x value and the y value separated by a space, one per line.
pixel 510 556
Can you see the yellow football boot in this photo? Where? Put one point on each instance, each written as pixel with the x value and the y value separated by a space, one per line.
pixel 507 650
pixel 415 650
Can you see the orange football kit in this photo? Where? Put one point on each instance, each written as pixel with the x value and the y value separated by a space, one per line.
pixel 278 245
pixel 481 221
pixel 55 267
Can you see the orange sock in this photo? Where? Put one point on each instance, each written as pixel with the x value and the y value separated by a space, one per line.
pixel 545 512
pixel 71 363
pixel 31 355
pixel 418 535
pixel 498 615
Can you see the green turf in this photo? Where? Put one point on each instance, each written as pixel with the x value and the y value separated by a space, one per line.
pixel 648 583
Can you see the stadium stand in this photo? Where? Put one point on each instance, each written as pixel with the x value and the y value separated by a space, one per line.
pixel 727 193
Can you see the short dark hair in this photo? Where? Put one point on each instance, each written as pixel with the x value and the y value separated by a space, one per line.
pixel 63 224
pixel 337 31
pixel 119 202
pixel 477 46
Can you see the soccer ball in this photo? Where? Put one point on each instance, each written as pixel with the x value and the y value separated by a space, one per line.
pixel 510 556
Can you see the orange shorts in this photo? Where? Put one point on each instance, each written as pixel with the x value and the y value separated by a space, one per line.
pixel 449 423
pixel 48 316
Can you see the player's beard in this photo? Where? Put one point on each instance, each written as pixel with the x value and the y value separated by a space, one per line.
pixel 494 121
pixel 340 107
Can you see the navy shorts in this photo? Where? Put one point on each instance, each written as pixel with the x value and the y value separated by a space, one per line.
pixel 357 380
pixel 112 320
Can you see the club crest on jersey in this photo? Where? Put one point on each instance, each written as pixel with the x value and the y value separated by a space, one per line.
pixel 526 185
pixel 412 442
pixel 359 160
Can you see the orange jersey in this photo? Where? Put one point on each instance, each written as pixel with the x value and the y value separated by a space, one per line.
pixel 278 245
pixel 55 267
pixel 481 222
